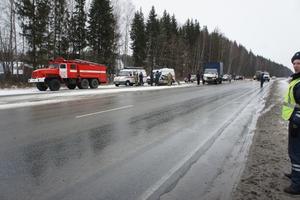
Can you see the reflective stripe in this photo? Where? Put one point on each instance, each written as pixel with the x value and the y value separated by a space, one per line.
pixel 295 165
pixel 289 99
pixel 295 169
pixel 93 71
pixel 290 105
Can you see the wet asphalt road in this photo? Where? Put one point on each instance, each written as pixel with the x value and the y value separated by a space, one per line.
pixel 109 146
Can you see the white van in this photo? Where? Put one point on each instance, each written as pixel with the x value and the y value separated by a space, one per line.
pixel 126 76
pixel 163 79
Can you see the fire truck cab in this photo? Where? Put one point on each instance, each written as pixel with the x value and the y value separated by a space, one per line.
pixel 72 73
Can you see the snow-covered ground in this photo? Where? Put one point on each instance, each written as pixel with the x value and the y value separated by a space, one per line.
pixel 15 98
pixel 34 90
pixel 101 89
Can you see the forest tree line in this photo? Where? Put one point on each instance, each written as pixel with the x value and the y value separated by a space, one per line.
pixel 103 32
pixel 162 42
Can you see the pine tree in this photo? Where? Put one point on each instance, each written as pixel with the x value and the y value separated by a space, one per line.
pixel 214 46
pixel 58 26
pixel 164 40
pixel 206 45
pixel 34 18
pixel 78 30
pixel 101 32
pixel 152 31
pixel 138 37
pixel 174 43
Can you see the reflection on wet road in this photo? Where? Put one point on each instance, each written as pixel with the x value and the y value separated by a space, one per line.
pixel 48 152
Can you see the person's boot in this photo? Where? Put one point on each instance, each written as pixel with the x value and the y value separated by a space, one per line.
pixel 288 175
pixel 291 191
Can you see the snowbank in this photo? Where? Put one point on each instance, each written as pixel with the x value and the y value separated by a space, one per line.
pixel 15 98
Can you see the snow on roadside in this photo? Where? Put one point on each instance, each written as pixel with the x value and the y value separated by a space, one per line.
pixel 16 98
pixel 6 92
pixel 34 90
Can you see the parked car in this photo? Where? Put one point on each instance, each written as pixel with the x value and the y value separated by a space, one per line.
pixel 163 80
pixel 238 77
pixel 126 76
pixel 267 76
pixel 193 78
pixel 258 75
pixel 226 77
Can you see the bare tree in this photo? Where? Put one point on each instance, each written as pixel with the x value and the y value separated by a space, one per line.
pixel 124 12
pixel 12 36
pixel 8 37
pixel 127 18
pixel 4 51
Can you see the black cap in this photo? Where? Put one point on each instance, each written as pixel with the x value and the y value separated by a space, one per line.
pixel 296 56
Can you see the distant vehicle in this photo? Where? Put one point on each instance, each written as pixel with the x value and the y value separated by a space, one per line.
pixel 193 78
pixel 226 77
pixel 257 75
pixel 213 72
pixel 163 79
pixel 72 73
pixel 126 76
pixel 267 76
pixel 238 77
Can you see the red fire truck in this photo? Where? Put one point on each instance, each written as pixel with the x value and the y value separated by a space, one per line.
pixel 72 73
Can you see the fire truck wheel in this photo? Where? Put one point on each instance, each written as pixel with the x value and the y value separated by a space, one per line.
pixel 71 86
pixel 54 84
pixel 94 83
pixel 41 86
pixel 84 83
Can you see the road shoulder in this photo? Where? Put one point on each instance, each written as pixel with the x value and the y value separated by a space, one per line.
pixel 268 159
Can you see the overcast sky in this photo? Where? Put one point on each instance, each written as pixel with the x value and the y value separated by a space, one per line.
pixel 270 28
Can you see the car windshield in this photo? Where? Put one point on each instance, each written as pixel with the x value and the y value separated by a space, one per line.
pixel 210 71
pixel 124 73
pixel 54 66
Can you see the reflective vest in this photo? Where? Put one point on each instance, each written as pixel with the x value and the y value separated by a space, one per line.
pixel 289 101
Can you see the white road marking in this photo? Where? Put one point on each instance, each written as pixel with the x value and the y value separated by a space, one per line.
pixel 105 111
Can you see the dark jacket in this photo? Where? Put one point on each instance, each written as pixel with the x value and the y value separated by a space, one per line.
pixel 262 79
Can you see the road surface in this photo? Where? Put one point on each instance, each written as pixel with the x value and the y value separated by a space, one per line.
pixel 127 145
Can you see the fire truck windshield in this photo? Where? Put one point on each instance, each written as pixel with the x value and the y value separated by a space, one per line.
pixel 54 66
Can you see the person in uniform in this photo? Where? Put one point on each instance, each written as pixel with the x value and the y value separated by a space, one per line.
pixel 170 79
pixel 291 112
